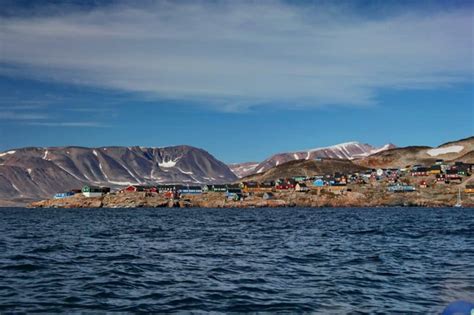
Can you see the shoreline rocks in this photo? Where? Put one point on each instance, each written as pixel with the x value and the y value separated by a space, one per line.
pixel 281 199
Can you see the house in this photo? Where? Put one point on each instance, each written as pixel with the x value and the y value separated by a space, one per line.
pixel 233 186
pixel 318 183
pixel 301 187
pixel 165 188
pixel 189 190
pixel 463 172
pixel 249 186
pixel 467 166
pixel 341 180
pixel 138 188
pixel 214 188
pixel 439 162
pixel 63 195
pixel 469 189
pixel 434 170
pixel 282 187
pixel 452 174
pixel 285 184
pixel 94 191
pixel 423 184
pixel 268 196
pixel 299 178
pixel 462 169
pixel 234 194
pixel 441 178
pixel 419 171
pixel 132 188
pixel 398 188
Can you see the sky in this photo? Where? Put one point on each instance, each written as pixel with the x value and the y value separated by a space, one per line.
pixel 240 79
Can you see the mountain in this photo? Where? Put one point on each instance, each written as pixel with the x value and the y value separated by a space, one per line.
pixel 461 150
pixel 243 169
pixel 347 151
pixel 306 168
pixel 31 173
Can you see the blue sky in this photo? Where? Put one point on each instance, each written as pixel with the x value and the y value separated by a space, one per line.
pixel 241 80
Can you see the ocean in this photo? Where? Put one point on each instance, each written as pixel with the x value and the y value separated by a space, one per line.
pixel 329 260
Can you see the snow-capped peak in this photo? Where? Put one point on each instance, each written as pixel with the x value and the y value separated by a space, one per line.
pixel 336 146
pixel 344 151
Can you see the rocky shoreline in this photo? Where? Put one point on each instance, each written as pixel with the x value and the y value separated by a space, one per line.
pixel 370 198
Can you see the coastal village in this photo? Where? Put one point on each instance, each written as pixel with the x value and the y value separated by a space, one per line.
pixel 394 185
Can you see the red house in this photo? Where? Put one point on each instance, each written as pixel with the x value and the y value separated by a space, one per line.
pixel 137 188
pixel 420 171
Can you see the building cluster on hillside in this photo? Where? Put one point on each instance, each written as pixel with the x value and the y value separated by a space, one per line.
pixel 397 180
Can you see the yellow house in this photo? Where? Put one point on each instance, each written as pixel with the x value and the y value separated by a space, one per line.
pixel 469 189
pixel 434 170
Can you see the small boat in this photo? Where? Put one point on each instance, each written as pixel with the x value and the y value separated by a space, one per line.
pixel 459 202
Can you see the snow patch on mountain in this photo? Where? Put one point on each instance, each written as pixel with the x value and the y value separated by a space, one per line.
pixel 445 150
pixel 7 153
pixel 184 172
pixel 167 164
pixel 14 186
pixel 102 170
pixel 130 172
pixel 384 148
pixel 243 169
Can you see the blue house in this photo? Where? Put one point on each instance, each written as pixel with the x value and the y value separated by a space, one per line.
pixel 401 188
pixel 63 195
pixel 318 183
pixel 190 190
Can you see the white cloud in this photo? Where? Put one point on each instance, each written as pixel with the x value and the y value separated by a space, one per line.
pixel 68 124
pixel 236 55
pixel 13 115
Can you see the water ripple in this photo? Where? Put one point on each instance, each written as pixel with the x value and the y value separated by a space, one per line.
pixel 391 260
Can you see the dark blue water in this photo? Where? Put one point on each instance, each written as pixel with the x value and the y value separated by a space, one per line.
pixel 405 260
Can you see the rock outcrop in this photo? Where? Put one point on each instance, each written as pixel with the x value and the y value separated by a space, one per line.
pixel 369 196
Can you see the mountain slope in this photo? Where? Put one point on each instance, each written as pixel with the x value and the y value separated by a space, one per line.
pixel 40 172
pixel 460 150
pixel 306 168
pixel 347 151
pixel 243 169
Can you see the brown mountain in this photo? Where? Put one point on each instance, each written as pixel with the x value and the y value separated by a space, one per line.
pixel 243 169
pixel 461 150
pixel 306 168
pixel 347 151
pixel 32 173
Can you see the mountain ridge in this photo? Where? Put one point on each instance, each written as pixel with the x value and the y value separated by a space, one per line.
pixel 27 172
pixel 348 151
